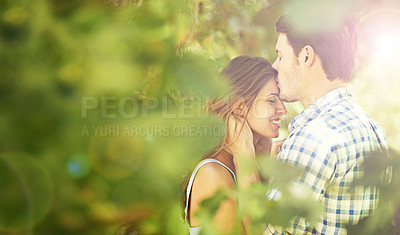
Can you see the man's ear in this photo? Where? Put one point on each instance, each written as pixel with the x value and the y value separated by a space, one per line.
pixel 307 56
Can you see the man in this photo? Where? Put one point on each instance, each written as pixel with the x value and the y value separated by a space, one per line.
pixel 331 137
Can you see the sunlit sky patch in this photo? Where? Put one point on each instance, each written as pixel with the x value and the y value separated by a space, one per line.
pixel 379 39
pixel 376 84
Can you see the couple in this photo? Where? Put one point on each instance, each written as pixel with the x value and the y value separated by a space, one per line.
pixel 328 140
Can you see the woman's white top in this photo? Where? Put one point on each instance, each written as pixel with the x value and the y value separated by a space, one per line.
pixel 196 230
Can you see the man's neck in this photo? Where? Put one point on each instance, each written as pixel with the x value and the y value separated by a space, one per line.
pixel 318 89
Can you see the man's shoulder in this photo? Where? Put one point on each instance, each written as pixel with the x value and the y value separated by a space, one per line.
pixel 344 123
pixel 339 126
pixel 344 116
pixel 334 125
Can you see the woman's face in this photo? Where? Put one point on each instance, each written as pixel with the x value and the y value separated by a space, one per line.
pixel 266 111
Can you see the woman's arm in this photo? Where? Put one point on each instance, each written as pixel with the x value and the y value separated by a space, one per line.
pixel 211 178
pixel 244 157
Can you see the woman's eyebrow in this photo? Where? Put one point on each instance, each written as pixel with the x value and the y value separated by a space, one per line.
pixel 273 94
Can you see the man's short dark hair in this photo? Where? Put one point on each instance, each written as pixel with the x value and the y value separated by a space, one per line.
pixel 335 48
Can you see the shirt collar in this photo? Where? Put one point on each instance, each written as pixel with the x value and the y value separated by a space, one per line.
pixel 319 106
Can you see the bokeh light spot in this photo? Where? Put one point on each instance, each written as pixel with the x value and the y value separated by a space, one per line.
pixel 78 166
pixel 116 156
pixel 70 72
pixel 379 37
pixel 26 192
pixel 16 15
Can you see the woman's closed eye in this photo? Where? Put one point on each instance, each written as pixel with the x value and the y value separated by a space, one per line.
pixel 271 101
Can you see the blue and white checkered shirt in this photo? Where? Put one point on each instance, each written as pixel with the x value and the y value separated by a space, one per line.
pixel 329 141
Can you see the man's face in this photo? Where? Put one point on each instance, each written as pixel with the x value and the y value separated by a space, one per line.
pixel 289 75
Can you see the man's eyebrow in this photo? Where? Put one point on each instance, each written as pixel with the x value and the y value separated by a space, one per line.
pixel 273 94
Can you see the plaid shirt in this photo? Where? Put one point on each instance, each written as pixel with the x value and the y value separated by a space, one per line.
pixel 329 141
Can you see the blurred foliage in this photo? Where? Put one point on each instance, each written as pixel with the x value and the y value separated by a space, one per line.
pixel 101 111
pixel 384 173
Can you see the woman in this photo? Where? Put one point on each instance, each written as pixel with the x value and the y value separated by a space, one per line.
pixel 252 113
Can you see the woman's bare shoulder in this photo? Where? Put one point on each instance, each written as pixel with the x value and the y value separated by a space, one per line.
pixel 210 178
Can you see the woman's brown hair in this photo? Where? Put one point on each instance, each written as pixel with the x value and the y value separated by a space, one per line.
pixel 246 76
